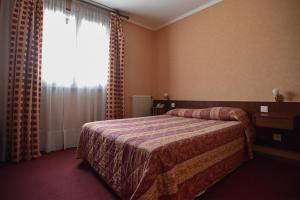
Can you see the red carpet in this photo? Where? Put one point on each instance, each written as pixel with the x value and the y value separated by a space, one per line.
pixel 59 176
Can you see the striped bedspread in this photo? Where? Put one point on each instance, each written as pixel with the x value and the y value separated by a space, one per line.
pixel 172 156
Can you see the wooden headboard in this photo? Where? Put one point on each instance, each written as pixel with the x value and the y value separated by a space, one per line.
pixel 249 106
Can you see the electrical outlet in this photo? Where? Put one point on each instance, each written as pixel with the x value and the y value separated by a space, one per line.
pixel 276 137
pixel 264 109
pixel 173 105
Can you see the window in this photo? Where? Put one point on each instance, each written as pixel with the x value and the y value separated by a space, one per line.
pixel 74 71
pixel 75 48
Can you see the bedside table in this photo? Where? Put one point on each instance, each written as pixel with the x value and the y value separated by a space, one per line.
pixel 279 130
pixel 159 111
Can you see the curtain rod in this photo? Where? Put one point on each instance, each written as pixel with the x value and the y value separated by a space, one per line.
pixel 104 7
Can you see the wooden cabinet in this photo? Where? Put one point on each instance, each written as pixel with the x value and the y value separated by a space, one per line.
pixel 277 130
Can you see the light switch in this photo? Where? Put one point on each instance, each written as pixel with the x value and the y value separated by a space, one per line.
pixel 264 109
pixel 173 105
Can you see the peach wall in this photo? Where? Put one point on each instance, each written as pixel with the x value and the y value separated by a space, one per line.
pixel 139 63
pixel 236 50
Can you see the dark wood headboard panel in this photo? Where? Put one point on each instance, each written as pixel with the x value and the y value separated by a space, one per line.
pixel 249 106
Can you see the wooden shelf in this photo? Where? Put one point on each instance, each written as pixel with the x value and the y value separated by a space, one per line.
pixel 279 153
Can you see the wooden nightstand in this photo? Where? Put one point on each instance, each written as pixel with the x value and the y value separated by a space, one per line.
pixel 158 111
pixel 279 130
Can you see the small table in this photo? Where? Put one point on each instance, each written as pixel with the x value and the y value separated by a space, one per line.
pixel 279 130
pixel 158 111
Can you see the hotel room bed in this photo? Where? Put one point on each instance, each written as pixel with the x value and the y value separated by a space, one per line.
pixel 173 156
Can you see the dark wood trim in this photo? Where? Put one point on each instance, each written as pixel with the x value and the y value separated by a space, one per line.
pixel 249 106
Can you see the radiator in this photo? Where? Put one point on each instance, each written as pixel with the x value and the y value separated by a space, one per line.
pixel 141 105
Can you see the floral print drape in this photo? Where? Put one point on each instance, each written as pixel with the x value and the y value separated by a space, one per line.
pixel 24 82
pixel 115 85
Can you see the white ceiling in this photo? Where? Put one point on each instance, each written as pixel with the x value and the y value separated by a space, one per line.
pixel 155 14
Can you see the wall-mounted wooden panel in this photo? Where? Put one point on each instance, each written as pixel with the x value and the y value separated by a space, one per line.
pixel 249 106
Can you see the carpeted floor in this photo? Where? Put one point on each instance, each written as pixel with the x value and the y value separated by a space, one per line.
pixel 60 176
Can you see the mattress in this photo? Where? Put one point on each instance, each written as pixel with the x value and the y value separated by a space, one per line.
pixel 172 156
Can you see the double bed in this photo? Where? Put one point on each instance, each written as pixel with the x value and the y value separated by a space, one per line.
pixel 173 156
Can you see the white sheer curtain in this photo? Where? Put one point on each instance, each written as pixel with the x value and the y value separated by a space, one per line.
pixel 74 71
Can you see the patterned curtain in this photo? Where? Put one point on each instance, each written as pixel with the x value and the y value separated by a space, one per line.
pixel 24 82
pixel 115 86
